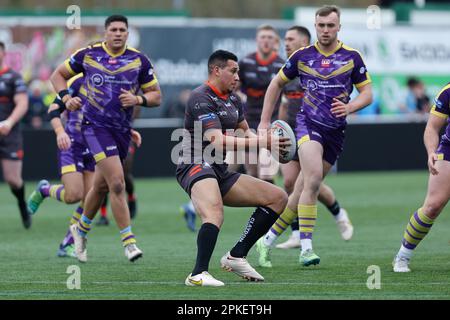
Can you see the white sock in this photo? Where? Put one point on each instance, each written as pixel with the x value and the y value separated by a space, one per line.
pixel 405 253
pixel 340 216
pixel 296 234
pixel 306 244
pixel 270 238
pixel 191 206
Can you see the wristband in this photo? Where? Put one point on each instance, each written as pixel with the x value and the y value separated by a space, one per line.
pixel 144 101
pixel 63 93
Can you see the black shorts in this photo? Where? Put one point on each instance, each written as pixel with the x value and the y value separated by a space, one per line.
pixel 11 146
pixel 189 174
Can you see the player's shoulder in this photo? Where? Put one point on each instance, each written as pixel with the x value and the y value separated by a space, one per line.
pixel 351 50
pixel 138 53
pixel 303 50
pixel 234 97
pixel 201 97
pixel 76 80
pixel 445 91
pixel 249 59
pixel 201 91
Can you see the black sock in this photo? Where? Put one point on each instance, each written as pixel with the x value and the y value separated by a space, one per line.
pixel 260 221
pixel 334 208
pixel 20 195
pixel 206 241
pixel 294 225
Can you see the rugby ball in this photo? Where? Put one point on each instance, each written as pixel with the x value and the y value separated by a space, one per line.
pixel 280 128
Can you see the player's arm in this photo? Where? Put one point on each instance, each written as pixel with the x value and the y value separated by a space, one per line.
pixel 438 117
pixel 20 107
pixel 54 112
pixel 250 142
pixel 341 109
pixel 270 99
pixel 136 137
pixel 361 79
pixel 283 110
pixel 151 96
pixel 65 71
pixel 431 139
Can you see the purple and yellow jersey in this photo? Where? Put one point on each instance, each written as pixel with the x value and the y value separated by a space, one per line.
pixel 75 118
pixel 325 76
pixel 441 108
pixel 105 75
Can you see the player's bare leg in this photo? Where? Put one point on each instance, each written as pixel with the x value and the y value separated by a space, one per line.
pixel 314 170
pixel 269 201
pixel 207 200
pixel 328 198
pixel 422 220
pixel 109 176
pixel 12 174
pixel 290 172
pixel 66 247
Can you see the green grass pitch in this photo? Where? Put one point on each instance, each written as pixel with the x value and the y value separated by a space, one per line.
pixel 379 205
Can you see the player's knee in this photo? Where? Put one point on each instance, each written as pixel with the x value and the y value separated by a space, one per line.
pixel 433 209
pixel 73 196
pixel 313 183
pixel 213 214
pixel 13 181
pixel 289 185
pixel 117 185
pixel 278 199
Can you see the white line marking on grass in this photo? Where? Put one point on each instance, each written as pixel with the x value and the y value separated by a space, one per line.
pixel 174 283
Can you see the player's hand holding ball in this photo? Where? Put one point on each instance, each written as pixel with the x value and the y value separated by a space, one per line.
pixel 283 141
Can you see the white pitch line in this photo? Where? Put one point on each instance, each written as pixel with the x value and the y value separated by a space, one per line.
pixel 322 284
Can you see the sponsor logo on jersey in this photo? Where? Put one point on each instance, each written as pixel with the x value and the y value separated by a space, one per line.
pixel 112 61
pixel 110 148
pixel 208 116
pixel 97 79
pixel 325 63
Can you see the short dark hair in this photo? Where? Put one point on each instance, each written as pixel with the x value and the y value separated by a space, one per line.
pixel 220 58
pixel 328 9
pixel 412 82
pixel 114 18
pixel 2 45
pixel 302 30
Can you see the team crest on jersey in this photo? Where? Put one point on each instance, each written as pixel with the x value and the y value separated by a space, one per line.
pixel 98 59
pixel 325 63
